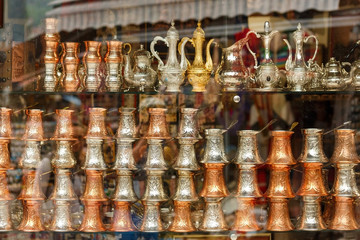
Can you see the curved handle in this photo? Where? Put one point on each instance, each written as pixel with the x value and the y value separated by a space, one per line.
pixel 316 47
pixel 209 63
pixel 181 47
pixel 248 47
pixel 128 45
pixel 155 53
pixel 288 62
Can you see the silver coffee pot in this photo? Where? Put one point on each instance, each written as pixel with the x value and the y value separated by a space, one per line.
pixel 140 75
pixel 267 73
pixel 299 73
pixel 172 74
pixel 335 76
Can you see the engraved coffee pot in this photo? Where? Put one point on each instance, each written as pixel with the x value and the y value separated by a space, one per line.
pixel 335 76
pixel 172 74
pixel 267 74
pixel 232 73
pixel 140 75
pixel 298 72
pixel 198 73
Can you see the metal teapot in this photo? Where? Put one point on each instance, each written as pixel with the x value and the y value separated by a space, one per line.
pixel 267 73
pixel 299 73
pixel 198 73
pixel 140 75
pixel 172 74
pixel 232 74
pixel 335 76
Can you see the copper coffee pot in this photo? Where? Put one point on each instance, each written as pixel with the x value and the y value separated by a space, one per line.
pixel 245 220
pixel 5 124
pixel 70 78
pixel 5 162
pixel 213 220
pixel 214 183
pixel 96 127
pixel 343 216
pixel 312 183
pixel 114 64
pixel 92 61
pixel 279 219
pixel 64 130
pixel 51 60
pixel 158 128
pixel 151 220
pixel 31 221
pixel 92 217
pixel 279 182
pixel 61 221
pixel 345 149
pixel 122 218
pixel 31 190
pixel 280 148
pixel 94 187
pixel 34 129
pixel 5 195
pixel 182 218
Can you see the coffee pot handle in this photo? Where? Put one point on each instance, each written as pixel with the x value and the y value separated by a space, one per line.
pixel 248 47
pixel 127 45
pixel 316 47
pixel 154 52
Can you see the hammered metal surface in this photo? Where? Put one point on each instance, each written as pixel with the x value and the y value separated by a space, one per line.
pixel 31 157
pixel 214 183
pixel 158 128
pixel 154 191
pixel 5 162
pixel 245 220
pixel 96 127
pixel 124 159
pixel 312 183
pixel 92 217
pixel 188 128
pixel 31 186
pixel 34 126
pixel 279 183
pixel 64 129
pixel 122 221
pixel 182 218
pixel 5 123
pixel 94 186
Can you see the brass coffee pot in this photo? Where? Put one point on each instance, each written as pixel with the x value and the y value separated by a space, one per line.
pixel 198 73
pixel 172 74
